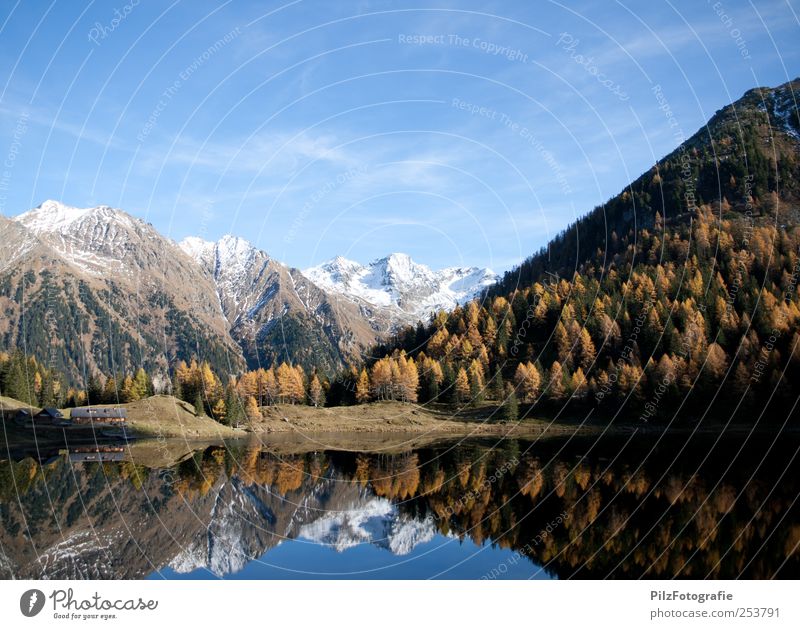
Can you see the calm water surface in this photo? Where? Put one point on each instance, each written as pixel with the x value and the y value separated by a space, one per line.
pixel 619 508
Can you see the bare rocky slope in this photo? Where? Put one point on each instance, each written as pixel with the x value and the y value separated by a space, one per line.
pixel 277 314
pixel 96 289
pixel 125 521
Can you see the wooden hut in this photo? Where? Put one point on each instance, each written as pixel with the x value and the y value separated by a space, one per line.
pixel 103 414
pixel 23 416
pixel 48 416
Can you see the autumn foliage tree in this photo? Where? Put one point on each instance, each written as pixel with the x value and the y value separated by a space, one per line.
pixel 528 380
pixel 316 395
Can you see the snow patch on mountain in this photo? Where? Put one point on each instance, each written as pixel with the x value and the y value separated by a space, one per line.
pixel 227 548
pixel 785 110
pixel 235 266
pixel 85 554
pixel 55 217
pixel 97 240
pixel 51 216
pixel 358 525
pixel 407 534
pixel 397 283
pixel 228 258
pixel 376 521
pixel 201 251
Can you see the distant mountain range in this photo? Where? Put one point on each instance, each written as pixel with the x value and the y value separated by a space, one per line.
pixel 241 524
pixel 97 289
pixel 221 529
pixel 398 288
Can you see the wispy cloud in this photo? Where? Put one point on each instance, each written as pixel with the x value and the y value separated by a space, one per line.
pixel 46 119
pixel 281 152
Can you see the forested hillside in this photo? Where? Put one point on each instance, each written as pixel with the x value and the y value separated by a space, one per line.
pixel 677 293
pixel 676 297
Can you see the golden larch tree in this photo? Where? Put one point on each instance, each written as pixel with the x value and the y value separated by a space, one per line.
pixel 462 386
pixel 362 387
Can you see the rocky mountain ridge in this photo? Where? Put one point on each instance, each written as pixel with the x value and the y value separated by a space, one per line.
pixel 96 289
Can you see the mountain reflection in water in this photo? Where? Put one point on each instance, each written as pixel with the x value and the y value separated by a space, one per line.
pixel 562 508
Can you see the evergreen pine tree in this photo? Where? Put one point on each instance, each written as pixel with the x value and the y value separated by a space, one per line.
pixel 94 392
pixel 510 411
pixel 430 386
pixel 497 386
pixel 177 387
pixel 233 406
pixel 47 395
pixel 199 407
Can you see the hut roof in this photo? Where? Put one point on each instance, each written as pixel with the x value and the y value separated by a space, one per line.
pixel 99 412
pixel 49 412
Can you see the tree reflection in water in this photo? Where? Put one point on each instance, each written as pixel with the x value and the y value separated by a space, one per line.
pixel 578 509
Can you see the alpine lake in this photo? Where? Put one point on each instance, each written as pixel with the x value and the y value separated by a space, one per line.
pixel 318 507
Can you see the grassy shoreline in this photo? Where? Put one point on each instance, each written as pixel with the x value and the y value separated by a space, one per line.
pixel 166 417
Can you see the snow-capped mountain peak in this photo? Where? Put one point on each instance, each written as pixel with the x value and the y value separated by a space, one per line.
pixel 235 266
pixel 373 521
pixel 199 250
pixel 229 255
pixel 236 252
pixel 54 216
pixel 101 241
pixel 246 296
pixel 400 270
pixel 405 290
pixel 341 269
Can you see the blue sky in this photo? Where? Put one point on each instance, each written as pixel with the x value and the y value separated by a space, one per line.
pixel 458 132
